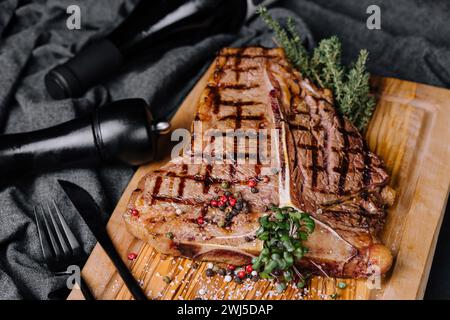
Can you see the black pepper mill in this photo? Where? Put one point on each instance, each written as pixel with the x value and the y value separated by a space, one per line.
pixel 121 132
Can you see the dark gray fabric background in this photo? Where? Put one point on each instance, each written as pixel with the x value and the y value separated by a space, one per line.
pixel 413 44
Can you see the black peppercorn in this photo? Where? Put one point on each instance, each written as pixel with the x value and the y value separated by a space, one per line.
pixel 277 272
pixel 210 273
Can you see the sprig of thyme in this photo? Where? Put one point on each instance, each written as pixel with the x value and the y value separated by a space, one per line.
pixel 350 86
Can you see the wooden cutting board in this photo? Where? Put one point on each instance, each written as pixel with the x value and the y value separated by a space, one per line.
pixel 410 130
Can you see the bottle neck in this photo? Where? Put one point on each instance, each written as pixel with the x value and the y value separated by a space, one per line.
pixel 176 23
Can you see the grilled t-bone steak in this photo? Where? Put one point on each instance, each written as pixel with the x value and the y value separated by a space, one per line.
pixel 323 168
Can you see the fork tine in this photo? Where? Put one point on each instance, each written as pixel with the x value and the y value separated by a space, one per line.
pixel 61 240
pixel 51 235
pixel 45 246
pixel 74 245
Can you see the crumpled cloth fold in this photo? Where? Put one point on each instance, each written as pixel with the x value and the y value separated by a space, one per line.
pixel 34 39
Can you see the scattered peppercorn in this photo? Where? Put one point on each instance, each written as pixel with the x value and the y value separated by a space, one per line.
pixel 342 285
pixel 249 239
pixel 214 203
pixel 221 224
pixel 200 220
pixel 195 265
pixel 334 296
pixel 254 190
pixel 248 268
pixel 255 278
pixel 210 273
pixel 251 183
pixel 277 272
pixel 169 235
pixel 237 280
pixel 132 256
pixel 231 267
pixel 227 193
pixel 280 287
pixel 222 272
pixel 134 212
pixel 232 202
pixel 241 274
pixel 167 279
pixel 225 185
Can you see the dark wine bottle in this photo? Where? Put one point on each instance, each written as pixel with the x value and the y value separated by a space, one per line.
pixel 152 28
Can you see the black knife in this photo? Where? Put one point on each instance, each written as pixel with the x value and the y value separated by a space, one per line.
pixel 90 213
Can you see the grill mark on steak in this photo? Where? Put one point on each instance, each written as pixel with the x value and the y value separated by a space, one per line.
pixel 308 147
pixel 215 98
pixel 238 103
pixel 351 150
pixel 156 188
pixel 344 164
pixel 314 148
pixel 257 168
pixel 345 132
pixel 237 63
pixel 184 169
pixel 325 143
pixel 213 150
pixel 232 171
pixel 240 69
pixel 178 200
pixel 249 56
pixel 238 86
pixel 297 127
pixel 239 117
pixel 207 180
pixel 367 163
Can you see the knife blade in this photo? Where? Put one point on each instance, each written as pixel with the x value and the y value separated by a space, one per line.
pixel 89 211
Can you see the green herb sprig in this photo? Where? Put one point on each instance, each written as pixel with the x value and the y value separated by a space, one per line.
pixel 283 232
pixel 323 66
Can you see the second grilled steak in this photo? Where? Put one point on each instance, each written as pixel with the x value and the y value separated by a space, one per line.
pixel 320 164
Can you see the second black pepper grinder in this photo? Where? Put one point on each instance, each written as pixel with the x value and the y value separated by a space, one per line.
pixel 121 132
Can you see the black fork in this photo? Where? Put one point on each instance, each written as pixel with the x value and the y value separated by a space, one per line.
pixel 59 245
